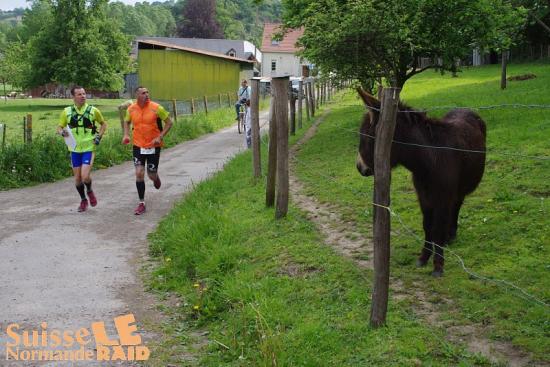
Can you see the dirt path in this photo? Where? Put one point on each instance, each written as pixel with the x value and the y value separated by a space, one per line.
pixel 344 237
pixel 70 269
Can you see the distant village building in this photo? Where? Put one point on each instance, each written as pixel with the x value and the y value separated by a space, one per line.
pixel 279 57
pixel 173 71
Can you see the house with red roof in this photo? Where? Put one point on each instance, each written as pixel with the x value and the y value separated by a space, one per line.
pixel 279 57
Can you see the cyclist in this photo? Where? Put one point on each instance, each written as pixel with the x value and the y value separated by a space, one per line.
pixel 81 120
pixel 147 118
pixel 243 95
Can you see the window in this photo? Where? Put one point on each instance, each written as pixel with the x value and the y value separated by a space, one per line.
pixel 273 65
pixel 232 53
pixel 274 42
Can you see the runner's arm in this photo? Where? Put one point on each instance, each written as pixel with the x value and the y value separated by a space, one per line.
pixel 127 122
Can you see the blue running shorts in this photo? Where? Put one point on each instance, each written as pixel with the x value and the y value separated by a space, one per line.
pixel 78 159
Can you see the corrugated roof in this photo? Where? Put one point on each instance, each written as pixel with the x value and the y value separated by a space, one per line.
pixel 188 49
pixel 287 44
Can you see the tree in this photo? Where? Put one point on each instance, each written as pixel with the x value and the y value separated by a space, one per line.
pixel 80 47
pixel 384 39
pixel 200 20
pixel 13 64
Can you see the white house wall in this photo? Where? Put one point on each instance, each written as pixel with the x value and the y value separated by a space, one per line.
pixel 287 64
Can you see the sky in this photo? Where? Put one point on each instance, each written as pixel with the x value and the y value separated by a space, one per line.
pixel 11 4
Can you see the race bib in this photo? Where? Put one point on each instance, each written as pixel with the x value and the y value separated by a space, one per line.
pixel 147 150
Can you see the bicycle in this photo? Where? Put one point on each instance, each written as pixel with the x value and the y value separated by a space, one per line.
pixel 243 110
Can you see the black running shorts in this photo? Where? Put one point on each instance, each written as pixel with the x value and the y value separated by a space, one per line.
pixel 142 158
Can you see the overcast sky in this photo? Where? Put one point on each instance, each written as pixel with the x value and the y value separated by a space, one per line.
pixel 11 4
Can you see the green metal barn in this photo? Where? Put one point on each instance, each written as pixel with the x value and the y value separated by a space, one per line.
pixel 173 72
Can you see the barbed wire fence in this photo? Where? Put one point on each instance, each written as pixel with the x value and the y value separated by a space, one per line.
pixel 407 231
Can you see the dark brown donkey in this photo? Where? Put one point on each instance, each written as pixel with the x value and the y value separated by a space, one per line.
pixel 446 158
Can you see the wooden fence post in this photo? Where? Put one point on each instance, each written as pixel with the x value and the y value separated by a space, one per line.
pixel 382 179
pixel 306 87
pixel 280 87
pixel 192 106
pixel 271 155
pixel 255 111
pixel 228 100
pixel 300 102
pixel 205 105
pixel 175 109
pixel 318 98
pixel 220 100
pixel 3 126
pixel 503 69
pixel 292 102
pixel 311 98
pixel 27 127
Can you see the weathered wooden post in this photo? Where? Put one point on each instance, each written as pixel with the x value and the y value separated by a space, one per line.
pixel 255 111
pixel 281 116
pixel 503 69
pixel 175 109
pixel 28 129
pixel 311 97
pixel 300 102
pixel 271 155
pixel 192 106
pixel 220 100
pixel 382 179
pixel 292 102
pixel 205 105
pixel 228 100
pixel 306 91
pixel 318 98
pixel 3 127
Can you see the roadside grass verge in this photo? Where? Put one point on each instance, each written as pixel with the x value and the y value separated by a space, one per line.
pixel 47 158
pixel 270 292
pixel 503 226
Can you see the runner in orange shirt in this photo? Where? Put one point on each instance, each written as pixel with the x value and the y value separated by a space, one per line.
pixel 147 118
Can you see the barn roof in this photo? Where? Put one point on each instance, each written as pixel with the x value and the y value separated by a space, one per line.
pixel 165 45
pixel 287 44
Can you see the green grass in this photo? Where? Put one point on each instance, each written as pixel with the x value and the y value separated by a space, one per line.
pixel 46 159
pixel 270 292
pixel 503 227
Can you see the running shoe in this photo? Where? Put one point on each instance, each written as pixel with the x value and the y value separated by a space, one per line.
pixel 93 199
pixel 140 209
pixel 157 182
pixel 83 206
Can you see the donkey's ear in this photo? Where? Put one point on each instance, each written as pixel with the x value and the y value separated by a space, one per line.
pixel 369 99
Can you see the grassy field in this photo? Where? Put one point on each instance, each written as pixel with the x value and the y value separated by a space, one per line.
pixel 270 293
pixel 503 227
pixel 45 113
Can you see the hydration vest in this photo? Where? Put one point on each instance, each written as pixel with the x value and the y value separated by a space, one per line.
pixel 84 121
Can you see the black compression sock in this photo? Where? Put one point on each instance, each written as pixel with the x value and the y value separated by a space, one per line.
pixel 80 189
pixel 141 189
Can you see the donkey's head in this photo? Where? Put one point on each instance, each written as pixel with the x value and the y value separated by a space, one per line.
pixel 365 156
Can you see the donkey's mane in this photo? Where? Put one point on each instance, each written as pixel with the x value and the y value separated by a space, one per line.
pixel 415 117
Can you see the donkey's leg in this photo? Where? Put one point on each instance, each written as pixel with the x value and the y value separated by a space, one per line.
pixel 441 224
pixel 454 219
pixel 427 219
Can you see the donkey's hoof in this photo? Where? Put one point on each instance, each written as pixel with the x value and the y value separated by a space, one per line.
pixel 421 263
pixel 437 273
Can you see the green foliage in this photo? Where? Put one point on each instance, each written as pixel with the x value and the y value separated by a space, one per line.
pixel 244 19
pixel 143 19
pixel 78 45
pixel 384 39
pixel 13 64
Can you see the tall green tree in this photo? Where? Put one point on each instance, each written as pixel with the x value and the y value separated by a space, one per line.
pixel 199 20
pixel 13 65
pixel 79 45
pixel 386 38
